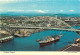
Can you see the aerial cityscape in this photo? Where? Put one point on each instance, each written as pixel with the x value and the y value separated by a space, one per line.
pixel 47 25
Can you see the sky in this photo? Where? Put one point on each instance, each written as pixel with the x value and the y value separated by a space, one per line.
pixel 40 6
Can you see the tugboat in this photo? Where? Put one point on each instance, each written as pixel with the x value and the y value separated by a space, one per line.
pixel 50 39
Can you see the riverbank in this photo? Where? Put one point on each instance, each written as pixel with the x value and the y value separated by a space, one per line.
pixel 27 32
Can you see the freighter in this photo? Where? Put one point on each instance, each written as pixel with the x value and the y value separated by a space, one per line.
pixel 50 39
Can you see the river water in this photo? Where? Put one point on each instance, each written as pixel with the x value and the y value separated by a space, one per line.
pixel 30 44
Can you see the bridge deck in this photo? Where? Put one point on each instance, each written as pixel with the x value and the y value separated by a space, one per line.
pixel 22 27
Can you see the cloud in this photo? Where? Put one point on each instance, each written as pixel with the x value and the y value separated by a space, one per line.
pixel 38 11
pixel 71 10
pixel 0 9
pixel 16 10
pixel 66 11
pixel 13 1
pixel 10 1
pixel 61 10
pixel 6 1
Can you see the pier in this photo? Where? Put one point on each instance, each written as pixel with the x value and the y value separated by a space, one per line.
pixel 72 47
pixel 5 36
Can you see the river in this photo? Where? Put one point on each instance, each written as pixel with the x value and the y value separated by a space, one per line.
pixel 30 44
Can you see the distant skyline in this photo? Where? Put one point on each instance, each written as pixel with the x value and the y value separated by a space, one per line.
pixel 40 6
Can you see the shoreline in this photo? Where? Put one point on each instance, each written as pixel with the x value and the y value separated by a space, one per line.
pixel 29 33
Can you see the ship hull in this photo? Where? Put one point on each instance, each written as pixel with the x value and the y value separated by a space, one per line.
pixel 46 43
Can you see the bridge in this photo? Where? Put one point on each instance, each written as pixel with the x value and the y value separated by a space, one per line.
pixel 12 29
pixel 24 27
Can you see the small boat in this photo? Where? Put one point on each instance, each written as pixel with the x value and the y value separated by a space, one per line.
pixel 38 40
pixel 50 39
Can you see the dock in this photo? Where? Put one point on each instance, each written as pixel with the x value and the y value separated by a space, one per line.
pixel 4 36
pixel 73 47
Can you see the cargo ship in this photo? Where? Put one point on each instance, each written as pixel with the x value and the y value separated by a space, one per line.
pixel 50 39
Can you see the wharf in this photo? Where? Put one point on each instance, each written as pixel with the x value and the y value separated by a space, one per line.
pixel 73 47
pixel 5 37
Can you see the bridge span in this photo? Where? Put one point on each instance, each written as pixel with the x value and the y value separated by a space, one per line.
pixel 23 27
